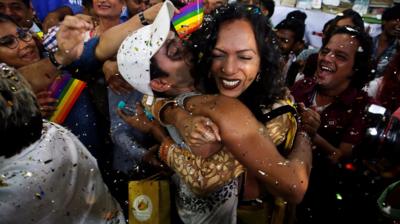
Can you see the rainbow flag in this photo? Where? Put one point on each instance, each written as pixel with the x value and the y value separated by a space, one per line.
pixel 67 90
pixel 189 19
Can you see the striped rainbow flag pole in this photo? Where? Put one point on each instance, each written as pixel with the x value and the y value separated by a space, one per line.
pixel 189 19
pixel 67 90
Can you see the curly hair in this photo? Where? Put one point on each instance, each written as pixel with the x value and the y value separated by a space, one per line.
pixel 269 86
pixel 21 121
pixel 362 61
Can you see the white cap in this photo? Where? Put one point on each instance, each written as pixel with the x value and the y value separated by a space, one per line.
pixel 138 48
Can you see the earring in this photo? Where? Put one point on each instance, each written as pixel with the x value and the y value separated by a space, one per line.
pixel 258 76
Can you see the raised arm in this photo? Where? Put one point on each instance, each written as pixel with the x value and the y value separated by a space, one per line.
pixel 113 37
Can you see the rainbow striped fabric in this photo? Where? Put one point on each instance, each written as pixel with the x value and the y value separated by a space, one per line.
pixel 189 19
pixel 67 90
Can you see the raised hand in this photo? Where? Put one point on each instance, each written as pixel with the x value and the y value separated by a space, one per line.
pixel 310 119
pixel 71 37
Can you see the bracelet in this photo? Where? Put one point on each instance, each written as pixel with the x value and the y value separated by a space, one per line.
pixel 306 136
pixel 161 108
pixel 180 100
pixel 53 61
pixel 164 149
pixel 143 20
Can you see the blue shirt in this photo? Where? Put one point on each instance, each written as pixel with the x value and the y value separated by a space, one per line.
pixel 42 8
pixel 88 61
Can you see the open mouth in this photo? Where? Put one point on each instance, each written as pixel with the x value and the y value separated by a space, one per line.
pixel 325 68
pixel 230 84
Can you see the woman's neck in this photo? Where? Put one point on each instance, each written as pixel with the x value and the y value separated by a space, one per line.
pixel 105 24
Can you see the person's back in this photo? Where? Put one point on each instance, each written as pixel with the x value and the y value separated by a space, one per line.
pixel 55 179
pixel 47 175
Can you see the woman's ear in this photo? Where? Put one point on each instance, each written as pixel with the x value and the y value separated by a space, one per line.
pixel 160 85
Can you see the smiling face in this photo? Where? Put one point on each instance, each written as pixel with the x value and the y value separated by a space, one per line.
pixel 17 10
pixel 236 60
pixel 336 62
pixel 25 53
pixel 107 8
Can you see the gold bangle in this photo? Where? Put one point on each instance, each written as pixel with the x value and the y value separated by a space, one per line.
pixel 164 148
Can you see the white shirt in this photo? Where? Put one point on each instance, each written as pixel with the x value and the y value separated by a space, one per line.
pixel 55 180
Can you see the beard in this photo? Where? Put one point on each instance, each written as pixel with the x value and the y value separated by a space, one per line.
pixel 156 71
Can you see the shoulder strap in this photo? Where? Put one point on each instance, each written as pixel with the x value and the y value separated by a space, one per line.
pixel 279 111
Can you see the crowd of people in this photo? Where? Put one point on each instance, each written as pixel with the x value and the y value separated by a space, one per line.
pixel 247 122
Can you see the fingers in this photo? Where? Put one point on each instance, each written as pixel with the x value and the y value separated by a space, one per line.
pixel 301 107
pixel 119 85
pixel 43 94
pixel 139 108
pixel 78 22
pixel 124 117
pixel 44 98
pixel 201 135
pixel 86 18
pixel 213 127
pixel 310 121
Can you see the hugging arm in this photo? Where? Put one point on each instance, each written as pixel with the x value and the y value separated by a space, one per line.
pixel 247 140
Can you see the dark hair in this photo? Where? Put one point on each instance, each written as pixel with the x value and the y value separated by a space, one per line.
pixel 27 3
pixel 21 121
pixel 391 13
pixel 296 26
pixel 353 15
pixel 269 5
pixel 297 14
pixel 269 86
pixel 327 26
pixel 362 61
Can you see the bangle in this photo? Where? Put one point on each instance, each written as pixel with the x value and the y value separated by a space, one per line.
pixel 180 100
pixel 160 106
pixel 143 20
pixel 53 61
pixel 164 149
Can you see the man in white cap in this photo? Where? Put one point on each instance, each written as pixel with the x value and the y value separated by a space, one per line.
pixel 154 59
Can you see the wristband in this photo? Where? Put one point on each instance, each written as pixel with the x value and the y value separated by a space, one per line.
pixel 143 20
pixel 53 61
pixel 306 136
